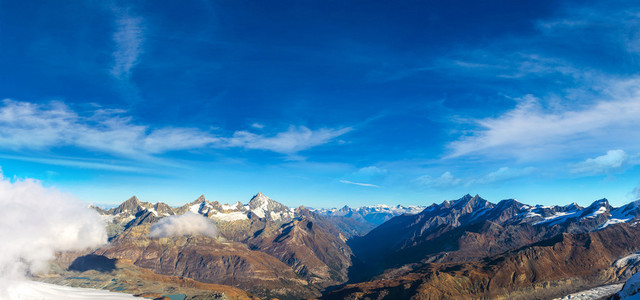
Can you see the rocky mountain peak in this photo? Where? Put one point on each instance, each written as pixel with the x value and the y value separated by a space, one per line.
pixel 596 208
pixel 201 199
pixel 259 197
pixel 601 202
pixel 264 207
pixel 132 205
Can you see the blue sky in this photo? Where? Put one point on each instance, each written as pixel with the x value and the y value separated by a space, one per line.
pixel 323 103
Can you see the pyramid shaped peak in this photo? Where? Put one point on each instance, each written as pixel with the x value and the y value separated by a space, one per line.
pixel 260 197
pixel 201 198
pixel 130 204
pixel 262 206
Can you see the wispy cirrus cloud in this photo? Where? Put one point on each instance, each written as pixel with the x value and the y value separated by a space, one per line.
pixel 447 180
pixel 503 174
pixel 25 125
pixel 370 176
pixel 531 131
pixel 77 163
pixel 128 38
pixel 444 181
pixel 359 183
pixel 295 139
pixel 613 161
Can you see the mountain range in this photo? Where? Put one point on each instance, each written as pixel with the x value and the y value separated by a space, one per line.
pixel 464 248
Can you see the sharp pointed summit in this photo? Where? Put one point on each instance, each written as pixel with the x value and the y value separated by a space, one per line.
pixel 264 207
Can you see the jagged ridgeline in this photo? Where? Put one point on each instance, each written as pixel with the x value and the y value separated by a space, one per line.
pixel 463 248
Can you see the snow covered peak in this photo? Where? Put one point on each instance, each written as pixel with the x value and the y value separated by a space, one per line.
pixel 259 197
pixel 375 214
pixel 264 207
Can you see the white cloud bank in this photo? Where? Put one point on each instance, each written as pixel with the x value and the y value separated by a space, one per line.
pixel 25 125
pixel 35 222
pixel 186 224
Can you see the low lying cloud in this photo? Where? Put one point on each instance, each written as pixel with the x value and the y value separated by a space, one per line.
pixel 25 125
pixel 614 160
pixel 186 224
pixel 35 222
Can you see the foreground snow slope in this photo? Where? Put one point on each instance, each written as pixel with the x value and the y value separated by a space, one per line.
pixel 33 290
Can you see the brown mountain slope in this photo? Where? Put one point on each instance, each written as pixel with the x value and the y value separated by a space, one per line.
pixel 550 268
pixel 311 245
pixel 207 260
pixel 128 278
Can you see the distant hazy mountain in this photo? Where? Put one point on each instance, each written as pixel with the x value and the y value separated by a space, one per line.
pixel 374 214
pixel 359 221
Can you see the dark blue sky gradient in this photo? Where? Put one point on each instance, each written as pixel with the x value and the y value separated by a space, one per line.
pixel 408 82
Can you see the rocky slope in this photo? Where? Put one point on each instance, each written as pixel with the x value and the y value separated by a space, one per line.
pixel 471 228
pixel 263 247
pixel 128 278
pixel 207 260
pixel 312 246
pixel 553 267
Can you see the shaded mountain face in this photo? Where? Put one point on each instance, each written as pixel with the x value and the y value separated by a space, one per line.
pixel 311 245
pixel 472 228
pixel 547 269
